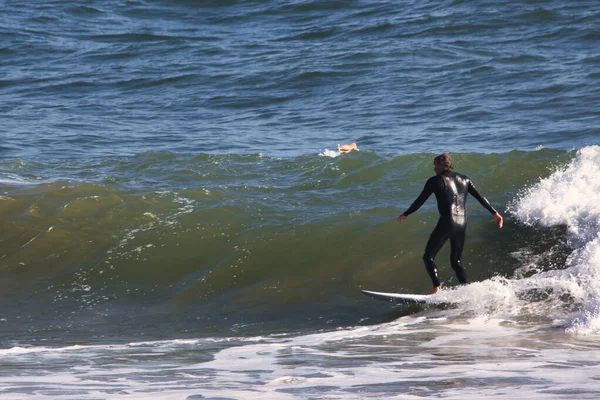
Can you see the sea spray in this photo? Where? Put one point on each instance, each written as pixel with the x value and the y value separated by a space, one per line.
pixel 569 197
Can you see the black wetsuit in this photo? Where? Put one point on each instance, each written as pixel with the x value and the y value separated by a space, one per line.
pixel 451 191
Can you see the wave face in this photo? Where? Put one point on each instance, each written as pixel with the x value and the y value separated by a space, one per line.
pixel 213 243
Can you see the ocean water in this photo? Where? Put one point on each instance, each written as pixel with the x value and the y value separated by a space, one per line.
pixel 177 223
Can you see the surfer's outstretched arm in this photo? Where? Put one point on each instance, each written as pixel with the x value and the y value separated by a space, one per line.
pixel 427 190
pixel 498 220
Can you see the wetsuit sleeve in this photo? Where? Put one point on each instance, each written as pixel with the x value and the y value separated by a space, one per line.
pixel 427 190
pixel 482 200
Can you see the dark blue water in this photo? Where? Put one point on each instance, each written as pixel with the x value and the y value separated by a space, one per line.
pixel 95 78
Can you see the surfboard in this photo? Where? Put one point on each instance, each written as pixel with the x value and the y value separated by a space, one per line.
pixel 398 297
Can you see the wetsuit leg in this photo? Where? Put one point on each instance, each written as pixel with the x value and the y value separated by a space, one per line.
pixel 457 242
pixel 438 237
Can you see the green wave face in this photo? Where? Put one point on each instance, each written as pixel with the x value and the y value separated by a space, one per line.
pixel 245 237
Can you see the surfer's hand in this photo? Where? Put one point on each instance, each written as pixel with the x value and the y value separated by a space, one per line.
pixel 401 218
pixel 498 220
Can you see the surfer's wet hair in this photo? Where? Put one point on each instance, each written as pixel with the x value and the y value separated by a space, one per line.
pixel 444 160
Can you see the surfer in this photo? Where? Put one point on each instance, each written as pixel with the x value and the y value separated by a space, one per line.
pixel 450 189
pixel 347 148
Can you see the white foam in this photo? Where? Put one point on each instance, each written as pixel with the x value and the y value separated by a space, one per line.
pixel 569 197
pixel 329 153
pixel 89 350
pixel 410 358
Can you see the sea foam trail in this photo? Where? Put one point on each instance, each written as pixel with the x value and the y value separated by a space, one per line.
pixel 569 197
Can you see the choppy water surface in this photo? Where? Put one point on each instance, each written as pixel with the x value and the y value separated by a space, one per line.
pixel 89 78
pixel 176 223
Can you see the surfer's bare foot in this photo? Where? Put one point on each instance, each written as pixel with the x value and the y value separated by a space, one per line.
pixel 436 289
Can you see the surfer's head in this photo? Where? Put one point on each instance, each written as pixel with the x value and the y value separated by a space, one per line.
pixel 442 163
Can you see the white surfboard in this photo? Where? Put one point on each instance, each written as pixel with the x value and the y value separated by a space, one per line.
pixel 398 297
